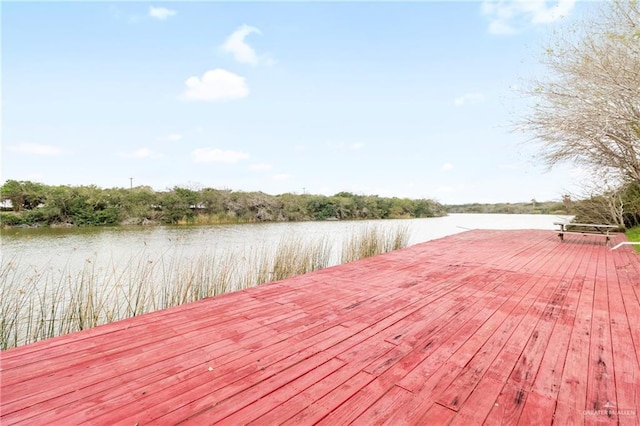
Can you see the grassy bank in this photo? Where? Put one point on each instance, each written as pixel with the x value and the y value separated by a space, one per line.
pixel 49 302
pixel 633 234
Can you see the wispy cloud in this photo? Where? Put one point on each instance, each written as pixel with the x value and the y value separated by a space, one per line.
pixel 357 146
pixel 174 137
pixel 260 166
pixel 216 85
pixel 139 153
pixel 512 16
pixel 447 166
pixel 468 98
pixel 241 50
pixel 215 155
pixel 161 13
pixel 35 149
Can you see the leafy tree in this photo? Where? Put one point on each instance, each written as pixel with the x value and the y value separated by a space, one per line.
pixel 630 194
pixel 176 205
pixel 213 200
pixel 294 207
pixel 321 207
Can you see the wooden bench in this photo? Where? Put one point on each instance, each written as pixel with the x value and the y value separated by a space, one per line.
pixel 585 229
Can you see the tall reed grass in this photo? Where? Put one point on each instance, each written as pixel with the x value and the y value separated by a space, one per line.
pixel 374 240
pixel 50 302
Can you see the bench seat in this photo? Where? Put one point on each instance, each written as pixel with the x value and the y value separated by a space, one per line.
pixel 585 229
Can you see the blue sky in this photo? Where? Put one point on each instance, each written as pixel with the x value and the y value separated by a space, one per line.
pixel 397 99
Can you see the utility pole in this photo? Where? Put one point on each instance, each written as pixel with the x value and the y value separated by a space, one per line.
pixel 131 183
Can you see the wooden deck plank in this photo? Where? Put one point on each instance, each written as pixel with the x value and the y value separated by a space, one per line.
pixel 497 352
pixel 113 331
pixel 601 393
pixel 391 372
pixel 195 393
pixel 530 344
pixel 306 398
pixel 480 403
pixel 553 360
pixel 160 361
pixel 484 326
pixel 379 411
pixel 141 331
pixel 361 354
pixel 492 314
pixel 353 353
pixel 329 402
pixel 625 365
pixel 572 394
pixel 412 411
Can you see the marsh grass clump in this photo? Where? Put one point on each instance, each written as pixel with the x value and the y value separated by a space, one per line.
pixel 47 302
pixel 292 256
pixel 374 240
pixel 295 257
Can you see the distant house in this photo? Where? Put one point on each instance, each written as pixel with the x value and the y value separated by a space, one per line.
pixel 6 205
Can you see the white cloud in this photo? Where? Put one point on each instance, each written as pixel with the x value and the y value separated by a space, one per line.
pixel 216 85
pixel 260 166
pixel 241 51
pixel 138 153
pixel 357 146
pixel 282 176
pixel 174 137
pixel 447 166
pixel 215 155
pixel 161 13
pixel 511 16
pixel 35 149
pixel 468 98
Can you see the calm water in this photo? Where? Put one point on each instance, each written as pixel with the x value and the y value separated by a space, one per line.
pixel 71 248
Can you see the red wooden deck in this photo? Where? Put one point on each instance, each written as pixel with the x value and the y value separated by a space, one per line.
pixel 485 326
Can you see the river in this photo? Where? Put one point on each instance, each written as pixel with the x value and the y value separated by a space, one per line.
pixel 39 248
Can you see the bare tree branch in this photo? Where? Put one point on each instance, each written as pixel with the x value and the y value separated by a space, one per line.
pixel 587 110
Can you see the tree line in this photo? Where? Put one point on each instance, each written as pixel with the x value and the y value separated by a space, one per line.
pixel 35 204
pixel 619 206
pixel 533 207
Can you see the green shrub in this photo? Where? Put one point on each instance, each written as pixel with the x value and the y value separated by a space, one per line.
pixel 633 234
pixel 10 219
